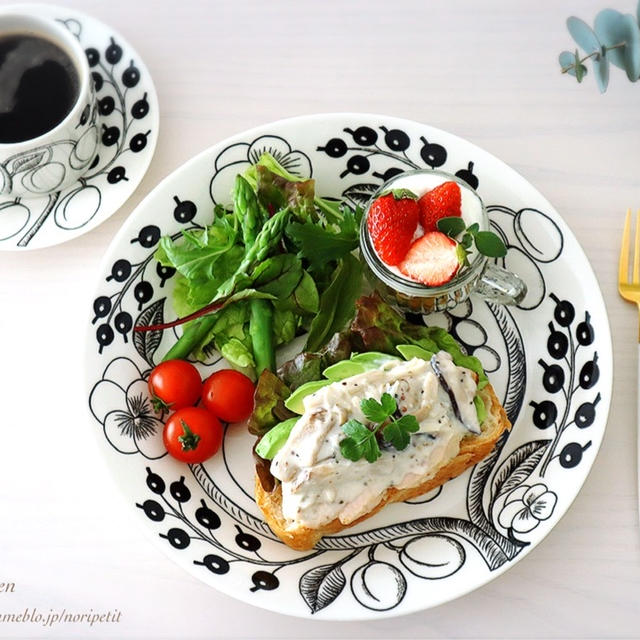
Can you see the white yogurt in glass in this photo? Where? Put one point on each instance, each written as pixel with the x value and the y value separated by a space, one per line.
pixel 421 183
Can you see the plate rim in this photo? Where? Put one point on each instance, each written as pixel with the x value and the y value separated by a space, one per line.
pixel 209 151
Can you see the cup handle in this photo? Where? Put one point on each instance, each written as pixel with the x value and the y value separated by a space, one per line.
pixel 499 285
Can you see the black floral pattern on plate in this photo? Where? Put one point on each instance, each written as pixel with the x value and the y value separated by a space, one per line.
pixel 508 495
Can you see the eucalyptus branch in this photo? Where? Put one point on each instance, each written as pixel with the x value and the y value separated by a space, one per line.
pixel 613 40
pixel 595 54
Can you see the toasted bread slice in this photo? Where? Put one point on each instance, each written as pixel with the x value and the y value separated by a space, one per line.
pixel 473 448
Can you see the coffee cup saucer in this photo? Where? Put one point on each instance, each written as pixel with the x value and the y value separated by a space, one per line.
pixel 129 119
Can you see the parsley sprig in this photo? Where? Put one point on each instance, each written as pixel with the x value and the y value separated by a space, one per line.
pixel 362 440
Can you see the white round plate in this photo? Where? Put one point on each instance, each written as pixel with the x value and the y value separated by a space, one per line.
pixel 128 107
pixel 549 360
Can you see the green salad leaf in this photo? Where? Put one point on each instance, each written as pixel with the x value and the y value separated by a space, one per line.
pixel 336 302
pixel 279 275
pixel 269 408
pixel 275 438
pixel 282 249
pixel 276 192
pixel 320 244
pixel 304 299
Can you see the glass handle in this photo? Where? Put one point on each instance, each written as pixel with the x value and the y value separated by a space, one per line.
pixel 499 285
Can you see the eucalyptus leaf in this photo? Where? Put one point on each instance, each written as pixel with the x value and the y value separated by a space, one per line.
pixel 601 70
pixel 584 35
pixel 632 50
pixel 579 70
pixel 613 29
pixel 567 60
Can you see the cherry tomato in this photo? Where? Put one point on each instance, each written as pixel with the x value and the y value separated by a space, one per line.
pixel 228 394
pixel 192 434
pixel 174 384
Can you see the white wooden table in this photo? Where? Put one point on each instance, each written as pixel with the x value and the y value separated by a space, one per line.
pixel 485 71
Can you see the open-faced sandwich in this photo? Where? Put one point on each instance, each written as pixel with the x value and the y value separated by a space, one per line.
pixel 387 411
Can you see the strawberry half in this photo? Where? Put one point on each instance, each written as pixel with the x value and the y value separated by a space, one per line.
pixel 432 259
pixel 442 202
pixel 392 222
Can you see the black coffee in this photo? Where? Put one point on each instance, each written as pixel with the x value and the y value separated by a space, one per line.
pixel 39 85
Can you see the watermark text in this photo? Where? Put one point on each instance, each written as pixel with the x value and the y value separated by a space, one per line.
pixel 61 616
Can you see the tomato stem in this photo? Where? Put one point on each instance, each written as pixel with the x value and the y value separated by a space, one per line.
pixel 188 439
pixel 159 405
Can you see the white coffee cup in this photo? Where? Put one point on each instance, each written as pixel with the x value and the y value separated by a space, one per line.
pixel 56 158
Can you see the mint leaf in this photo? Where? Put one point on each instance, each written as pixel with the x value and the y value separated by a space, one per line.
pixel 360 442
pixel 489 244
pixel 398 432
pixel 451 225
pixel 473 228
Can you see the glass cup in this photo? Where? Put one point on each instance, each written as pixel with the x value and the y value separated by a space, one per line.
pixel 482 276
pixel 56 158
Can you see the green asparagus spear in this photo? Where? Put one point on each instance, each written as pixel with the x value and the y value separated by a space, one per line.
pixel 247 210
pixel 261 329
pixel 192 336
pixel 266 240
